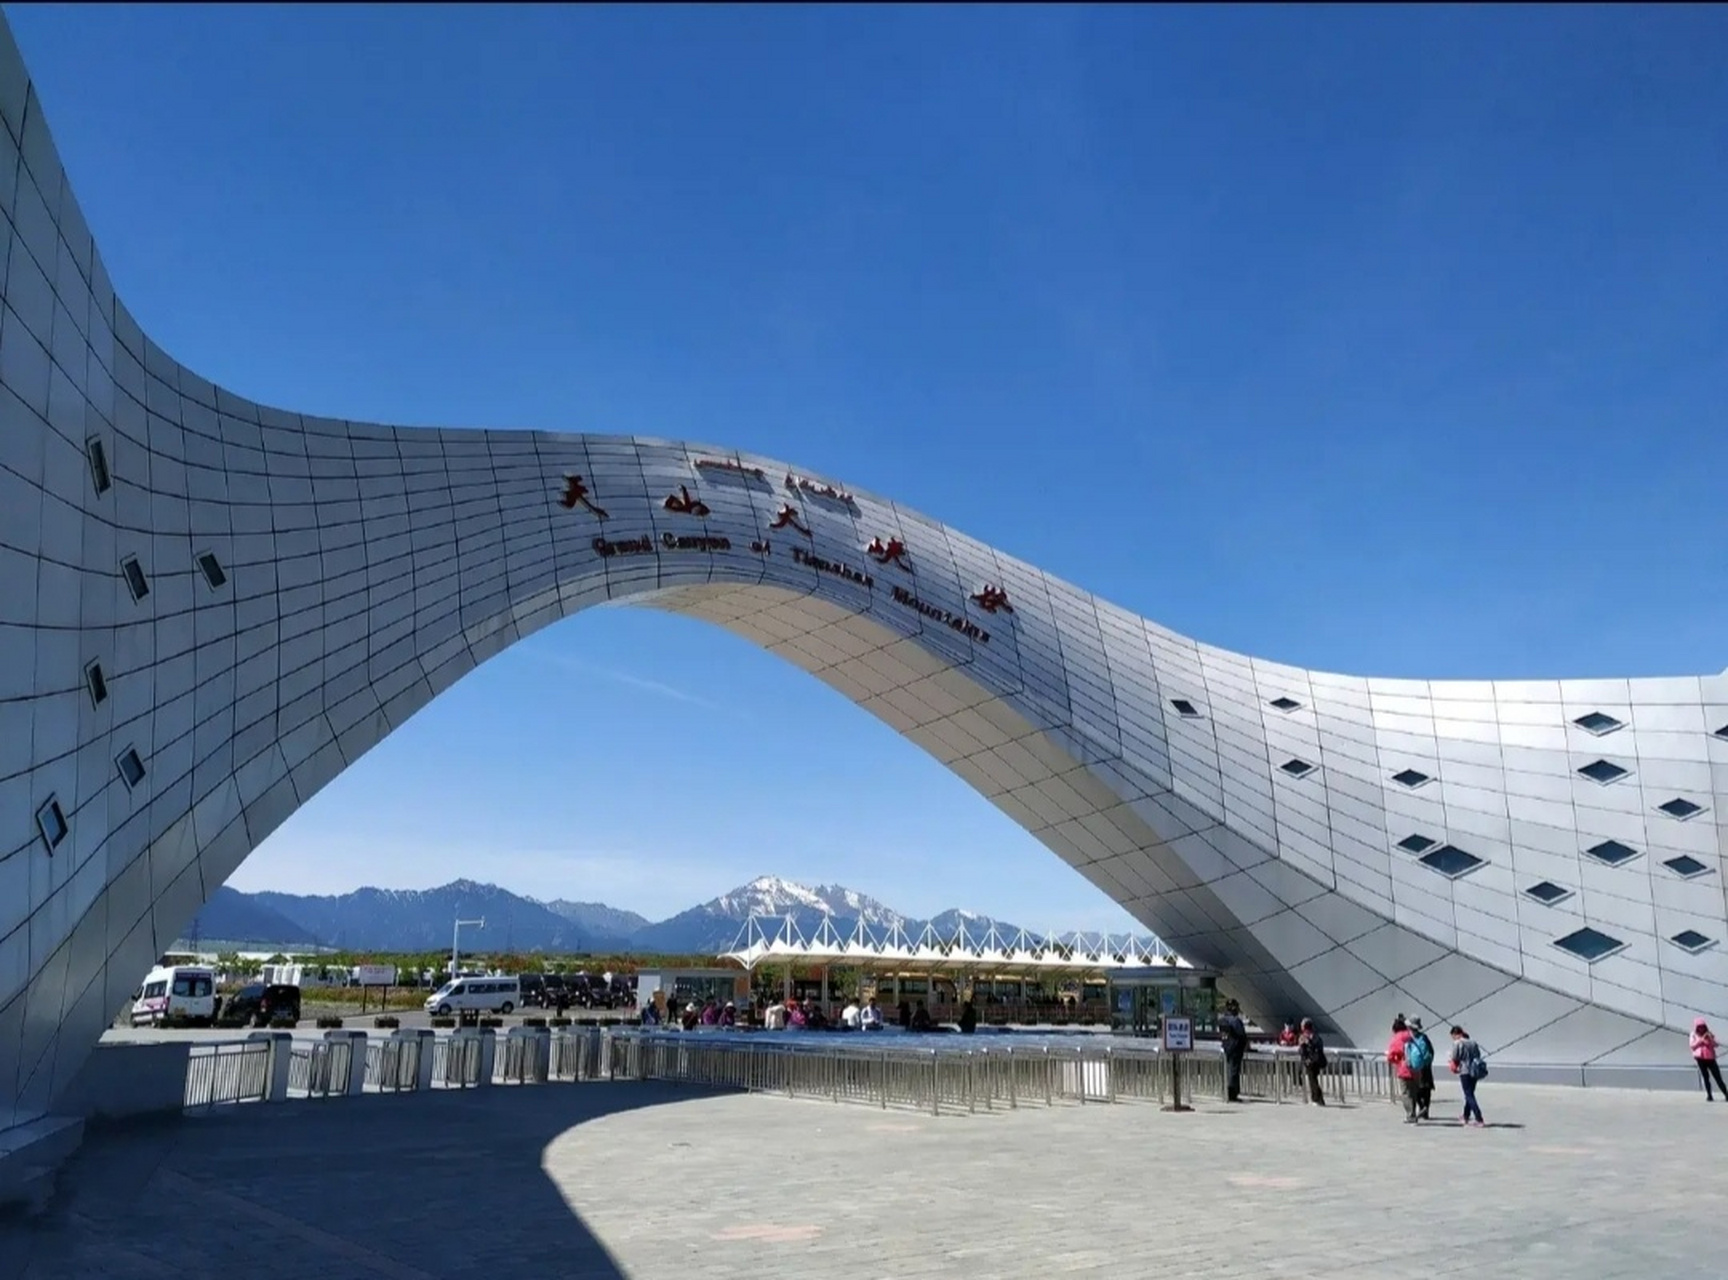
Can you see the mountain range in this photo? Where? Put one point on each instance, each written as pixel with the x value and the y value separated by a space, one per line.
pixel 422 919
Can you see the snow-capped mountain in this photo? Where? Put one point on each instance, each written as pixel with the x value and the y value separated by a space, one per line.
pixel 420 919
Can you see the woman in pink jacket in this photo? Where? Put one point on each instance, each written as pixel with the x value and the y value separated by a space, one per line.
pixel 1704 1054
pixel 1408 1077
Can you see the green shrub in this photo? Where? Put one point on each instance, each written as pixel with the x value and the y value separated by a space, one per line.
pixel 387 1022
pixel 329 1024
pixel 558 1022
pixel 443 1022
pixel 491 1022
pixel 534 1022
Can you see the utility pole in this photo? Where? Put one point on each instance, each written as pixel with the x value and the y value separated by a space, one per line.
pixel 456 940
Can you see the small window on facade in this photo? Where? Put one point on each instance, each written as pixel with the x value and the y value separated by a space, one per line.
pixel 131 767
pixel 1285 704
pixel 1450 861
pixel 98 457
pixel 1589 945
pixel 1411 778
pixel 1417 844
pixel 51 822
pixel 1693 941
pixel 1612 852
pixel 1686 865
pixel 1598 723
pixel 1548 893
pixel 1681 809
pixel 1297 768
pixel 97 683
pixel 136 583
pixel 1722 732
pixel 1185 708
pixel 1603 771
pixel 211 568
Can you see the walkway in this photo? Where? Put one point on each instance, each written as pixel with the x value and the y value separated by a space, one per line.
pixel 654 1183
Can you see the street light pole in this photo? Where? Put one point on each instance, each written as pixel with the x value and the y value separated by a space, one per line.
pixel 456 940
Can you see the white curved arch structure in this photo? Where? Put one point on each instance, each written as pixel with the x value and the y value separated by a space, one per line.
pixel 267 595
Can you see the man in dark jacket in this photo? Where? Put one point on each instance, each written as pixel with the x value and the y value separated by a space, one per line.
pixel 1233 1034
pixel 1312 1052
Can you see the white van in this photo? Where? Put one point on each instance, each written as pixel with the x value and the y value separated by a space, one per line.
pixel 494 994
pixel 180 990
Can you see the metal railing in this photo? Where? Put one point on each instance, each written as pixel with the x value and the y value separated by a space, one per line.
pixel 227 1071
pixel 321 1068
pixel 393 1064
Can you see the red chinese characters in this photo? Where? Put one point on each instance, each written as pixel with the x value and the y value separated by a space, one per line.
pixel 576 495
pixel 992 599
pixel 892 552
pixel 788 518
pixel 682 503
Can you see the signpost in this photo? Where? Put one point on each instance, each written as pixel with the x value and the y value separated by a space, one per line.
pixel 367 976
pixel 1178 1040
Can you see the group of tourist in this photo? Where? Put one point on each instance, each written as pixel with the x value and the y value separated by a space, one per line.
pixel 1411 1054
pixel 805 1015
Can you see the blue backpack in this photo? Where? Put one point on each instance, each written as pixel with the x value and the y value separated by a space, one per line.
pixel 1418 1053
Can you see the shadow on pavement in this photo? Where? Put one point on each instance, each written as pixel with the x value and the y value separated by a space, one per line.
pixel 411 1187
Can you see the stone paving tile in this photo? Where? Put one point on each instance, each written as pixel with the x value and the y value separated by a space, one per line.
pixel 603 1181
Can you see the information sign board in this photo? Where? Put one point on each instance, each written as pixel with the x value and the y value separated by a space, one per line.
pixel 1179 1035
pixel 375 975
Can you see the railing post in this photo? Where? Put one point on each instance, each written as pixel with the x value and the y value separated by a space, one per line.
pixel 276 1071
pixel 356 1082
pixel 423 1039
pixel 488 1041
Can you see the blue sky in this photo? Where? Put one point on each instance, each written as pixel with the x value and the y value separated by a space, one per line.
pixel 1371 339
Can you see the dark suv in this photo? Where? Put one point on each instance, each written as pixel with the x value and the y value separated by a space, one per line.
pixel 260 1005
pixel 533 987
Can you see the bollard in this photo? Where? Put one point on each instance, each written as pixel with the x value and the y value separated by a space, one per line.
pixel 488 1054
pixel 276 1072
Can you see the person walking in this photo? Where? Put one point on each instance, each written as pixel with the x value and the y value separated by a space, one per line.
pixel 1425 1073
pixel 1397 1053
pixel 1704 1054
pixel 1469 1066
pixel 1233 1036
pixel 1312 1053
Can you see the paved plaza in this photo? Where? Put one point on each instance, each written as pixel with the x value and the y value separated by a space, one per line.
pixel 661 1183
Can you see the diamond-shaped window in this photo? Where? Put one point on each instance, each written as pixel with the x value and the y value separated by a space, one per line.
pixel 1411 778
pixel 1185 708
pixel 1604 771
pixel 1589 944
pixel 1681 808
pixel 1297 768
pixel 1612 852
pixel 1417 844
pixel 1722 732
pixel 51 822
pixel 1686 865
pixel 1691 940
pixel 131 767
pixel 1548 893
pixel 1450 861
pixel 1598 723
pixel 1284 704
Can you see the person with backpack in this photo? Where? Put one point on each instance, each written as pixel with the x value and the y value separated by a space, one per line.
pixel 1233 1038
pixel 1470 1067
pixel 1312 1054
pixel 1704 1054
pixel 1397 1053
pixel 1425 1072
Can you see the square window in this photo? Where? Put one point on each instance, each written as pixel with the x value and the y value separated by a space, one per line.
pixel 1417 844
pixel 1598 723
pixel 131 767
pixel 97 683
pixel 1297 768
pixel 1681 809
pixel 51 822
pixel 1691 940
pixel 211 568
pixel 1603 771
pixel 1548 893
pixel 1589 945
pixel 1450 861
pixel 135 580
pixel 1612 852
pixel 98 457
pixel 1285 704
pixel 1411 778
pixel 1686 865
pixel 1184 708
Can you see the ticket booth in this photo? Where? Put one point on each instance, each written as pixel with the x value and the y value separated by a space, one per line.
pixel 1141 998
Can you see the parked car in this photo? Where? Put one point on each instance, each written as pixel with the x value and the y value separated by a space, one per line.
pixel 486 995
pixel 533 986
pixel 556 990
pixel 176 991
pixel 259 1004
